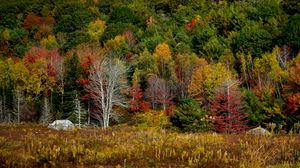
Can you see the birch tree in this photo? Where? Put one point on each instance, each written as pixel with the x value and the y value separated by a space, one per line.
pixel 107 82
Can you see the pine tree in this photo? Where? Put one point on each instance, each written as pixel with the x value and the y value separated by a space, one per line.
pixel 72 87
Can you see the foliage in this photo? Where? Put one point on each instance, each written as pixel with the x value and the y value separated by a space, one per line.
pixel 253 107
pixel 252 39
pixel 151 118
pixel 190 117
pixel 227 109
pixel 292 31
pixel 96 29
pixel 179 49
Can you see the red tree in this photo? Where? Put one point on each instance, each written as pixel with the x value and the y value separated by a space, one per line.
pixel 190 25
pixel 227 109
pixel 292 90
pixel 136 95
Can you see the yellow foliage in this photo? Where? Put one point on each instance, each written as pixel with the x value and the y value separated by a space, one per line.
pixel 162 50
pixel 116 42
pixel 207 78
pixel 49 42
pixel 6 34
pixel 96 29
pixel 268 71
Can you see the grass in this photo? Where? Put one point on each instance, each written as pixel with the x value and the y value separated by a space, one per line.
pixel 127 146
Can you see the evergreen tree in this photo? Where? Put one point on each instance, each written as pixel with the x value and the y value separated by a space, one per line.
pixel 72 87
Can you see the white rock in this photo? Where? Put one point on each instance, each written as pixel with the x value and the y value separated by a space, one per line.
pixel 258 131
pixel 61 125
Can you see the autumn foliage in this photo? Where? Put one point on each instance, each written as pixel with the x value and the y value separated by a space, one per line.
pixel 227 110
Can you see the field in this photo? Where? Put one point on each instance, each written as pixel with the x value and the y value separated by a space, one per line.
pixel 28 145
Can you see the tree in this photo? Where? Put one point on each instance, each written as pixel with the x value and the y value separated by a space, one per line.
pixel 136 94
pixel 254 108
pixel 292 31
pixel 252 39
pixel 185 65
pixel 106 86
pixel 206 79
pixel 292 90
pixel 159 91
pixel 96 29
pixel 190 117
pixel 269 74
pixel 164 61
pixel 227 109
pixel 72 87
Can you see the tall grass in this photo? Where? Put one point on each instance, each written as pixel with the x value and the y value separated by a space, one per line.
pixel 124 146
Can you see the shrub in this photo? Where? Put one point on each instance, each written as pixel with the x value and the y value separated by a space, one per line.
pixel 190 117
pixel 151 118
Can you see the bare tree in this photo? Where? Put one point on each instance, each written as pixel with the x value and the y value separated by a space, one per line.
pixel 159 92
pixel 107 81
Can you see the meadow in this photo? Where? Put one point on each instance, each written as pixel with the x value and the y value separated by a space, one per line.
pixel 32 145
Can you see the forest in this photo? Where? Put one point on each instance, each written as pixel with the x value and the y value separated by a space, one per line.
pixel 188 65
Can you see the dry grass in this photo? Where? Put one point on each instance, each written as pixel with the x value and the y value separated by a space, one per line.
pixel 124 146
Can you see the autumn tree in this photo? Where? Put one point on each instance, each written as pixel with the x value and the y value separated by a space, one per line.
pixel 269 74
pixel 160 92
pixel 227 109
pixel 136 94
pixel 164 61
pixel 96 29
pixel 206 79
pixel 292 90
pixel 106 86
pixel 185 65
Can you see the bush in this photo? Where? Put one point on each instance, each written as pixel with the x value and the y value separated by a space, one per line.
pixel 151 118
pixel 190 117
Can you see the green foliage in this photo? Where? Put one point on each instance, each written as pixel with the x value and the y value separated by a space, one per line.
pixel 73 39
pixel 124 15
pixel 291 7
pixel 252 39
pixel 292 31
pixel 190 117
pixel 114 29
pixel 218 31
pixel 72 87
pixel 264 10
pixel 253 107
pixel 201 36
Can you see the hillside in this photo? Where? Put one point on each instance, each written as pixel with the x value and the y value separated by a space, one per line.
pixel 202 65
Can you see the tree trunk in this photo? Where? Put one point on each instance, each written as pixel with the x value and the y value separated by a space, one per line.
pixel 18 105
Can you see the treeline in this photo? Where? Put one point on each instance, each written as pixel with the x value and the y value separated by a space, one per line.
pixel 221 65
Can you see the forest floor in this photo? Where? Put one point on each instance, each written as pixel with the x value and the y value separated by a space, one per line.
pixel 30 145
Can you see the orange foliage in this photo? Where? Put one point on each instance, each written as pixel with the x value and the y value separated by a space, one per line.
pixel 31 21
pixel 163 50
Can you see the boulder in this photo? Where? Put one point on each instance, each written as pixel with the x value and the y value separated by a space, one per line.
pixel 258 131
pixel 61 125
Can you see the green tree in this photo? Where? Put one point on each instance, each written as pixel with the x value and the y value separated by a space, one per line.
pixel 72 88
pixel 190 117
pixel 292 32
pixel 252 39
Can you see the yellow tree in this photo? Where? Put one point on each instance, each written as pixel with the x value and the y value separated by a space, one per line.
pixel 269 74
pixel 185 66
pixel 19 77
pixel 207 78
pixel 96 29
pixel 164 61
